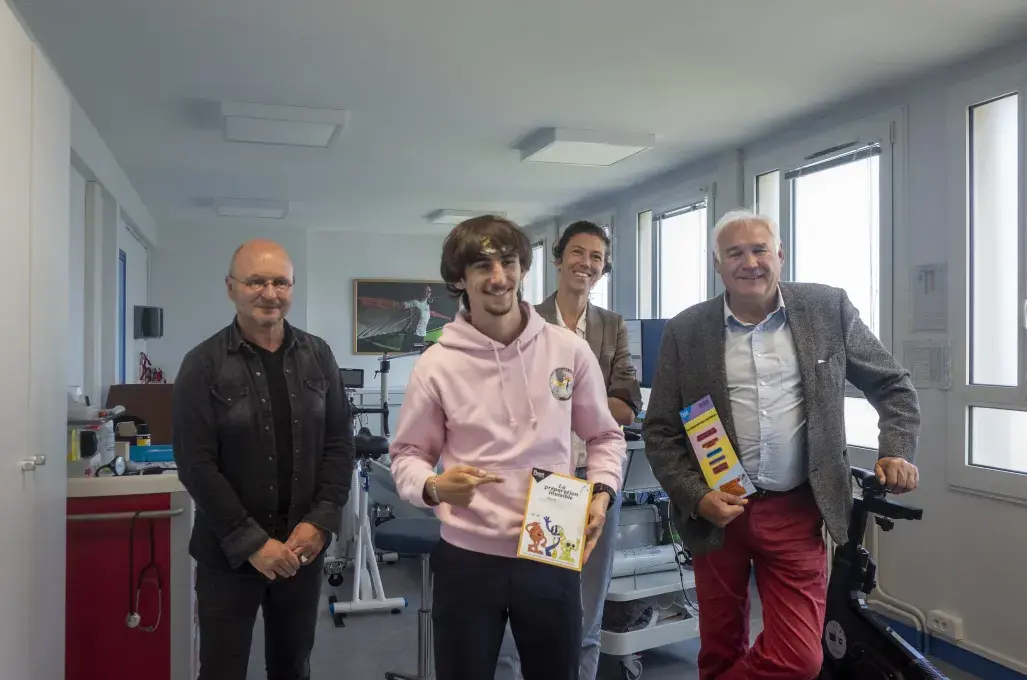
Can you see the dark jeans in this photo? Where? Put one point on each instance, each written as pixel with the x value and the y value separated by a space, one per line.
pixel 227 603
pixel 476 594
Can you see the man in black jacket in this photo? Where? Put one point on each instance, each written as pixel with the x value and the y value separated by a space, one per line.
pixel 263 442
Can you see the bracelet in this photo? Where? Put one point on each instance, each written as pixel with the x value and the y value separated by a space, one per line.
pixel 433 490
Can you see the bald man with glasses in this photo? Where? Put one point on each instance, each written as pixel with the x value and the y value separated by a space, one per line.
pixel 263 441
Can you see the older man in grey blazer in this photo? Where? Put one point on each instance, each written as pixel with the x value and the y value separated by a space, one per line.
pixel 775 358
pixel 582 257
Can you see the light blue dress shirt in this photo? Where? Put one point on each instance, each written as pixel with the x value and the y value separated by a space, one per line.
pixel 765 390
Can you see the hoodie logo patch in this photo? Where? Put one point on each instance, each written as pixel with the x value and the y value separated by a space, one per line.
pixel 561 383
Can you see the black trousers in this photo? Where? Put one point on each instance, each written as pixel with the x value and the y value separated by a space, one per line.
pixel 227 604
pixel 476 594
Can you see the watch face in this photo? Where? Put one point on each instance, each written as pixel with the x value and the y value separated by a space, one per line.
pixel 119 465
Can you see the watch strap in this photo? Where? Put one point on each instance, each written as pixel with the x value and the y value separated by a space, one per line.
pixel 599 487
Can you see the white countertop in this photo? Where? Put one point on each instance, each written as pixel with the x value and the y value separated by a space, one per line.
pixel 89 487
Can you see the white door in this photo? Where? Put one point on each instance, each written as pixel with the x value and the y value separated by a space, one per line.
pixel 48 330
pixel 35 143
pixel 16 487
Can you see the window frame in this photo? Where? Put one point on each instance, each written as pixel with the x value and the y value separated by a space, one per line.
pixel 888 129
pixel 669 202
pixel 538 241
pixel 960 473
pixel 122 336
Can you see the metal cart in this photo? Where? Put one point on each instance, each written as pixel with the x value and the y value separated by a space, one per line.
pixel 676 622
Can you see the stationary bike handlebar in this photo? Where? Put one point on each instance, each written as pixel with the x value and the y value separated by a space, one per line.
pixel 874 501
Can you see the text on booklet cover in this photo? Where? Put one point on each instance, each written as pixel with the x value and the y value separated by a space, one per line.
pixel 717 458
pixel 555 518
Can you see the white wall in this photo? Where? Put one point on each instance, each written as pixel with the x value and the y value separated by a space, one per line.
pixel 93 152
pixel 335 259
pixel 109 199
pixel 137 292
pixel 966 556
pixel 188 280
pixel 77 280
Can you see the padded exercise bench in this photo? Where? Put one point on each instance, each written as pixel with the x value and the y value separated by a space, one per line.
pixel 414 536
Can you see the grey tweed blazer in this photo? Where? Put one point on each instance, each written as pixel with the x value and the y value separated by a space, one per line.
pixel 832 345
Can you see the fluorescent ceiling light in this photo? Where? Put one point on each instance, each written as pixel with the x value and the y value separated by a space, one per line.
pixel 290 125
pixel 246 207
pixel 458 216
pixel 583 147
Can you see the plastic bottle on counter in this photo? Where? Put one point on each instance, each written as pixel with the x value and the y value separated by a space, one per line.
pixel 143 434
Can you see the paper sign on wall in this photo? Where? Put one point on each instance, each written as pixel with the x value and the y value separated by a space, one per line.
pixel 717 458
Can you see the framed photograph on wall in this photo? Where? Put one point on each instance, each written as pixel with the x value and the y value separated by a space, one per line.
pixel 394 315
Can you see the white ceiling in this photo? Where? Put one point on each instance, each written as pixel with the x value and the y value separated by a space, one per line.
pixel 439 91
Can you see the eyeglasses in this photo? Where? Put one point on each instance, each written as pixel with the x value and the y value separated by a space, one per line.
pixel 256 285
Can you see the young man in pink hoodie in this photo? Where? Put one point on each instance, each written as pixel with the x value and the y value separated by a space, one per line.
pixel 491 401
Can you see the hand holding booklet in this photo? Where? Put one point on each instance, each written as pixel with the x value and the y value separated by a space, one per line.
pixel 717 458
pixel 555 519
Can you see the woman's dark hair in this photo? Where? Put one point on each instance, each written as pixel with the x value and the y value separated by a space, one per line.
pixel 584 227
pixel 464 246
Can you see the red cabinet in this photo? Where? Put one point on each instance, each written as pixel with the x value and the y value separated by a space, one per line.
pixel 99 644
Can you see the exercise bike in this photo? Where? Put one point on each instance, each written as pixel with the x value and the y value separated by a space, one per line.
pixel 858 644
pixel 368 592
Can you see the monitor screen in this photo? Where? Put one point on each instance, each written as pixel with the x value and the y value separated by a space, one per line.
pixel 352 378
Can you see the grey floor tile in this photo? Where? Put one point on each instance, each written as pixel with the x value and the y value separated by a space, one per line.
pixel 371 644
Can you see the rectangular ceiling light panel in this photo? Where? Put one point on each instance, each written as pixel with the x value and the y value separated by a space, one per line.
pixel 458 216
pixel 244 207
pixel 289 125
pixel 584 147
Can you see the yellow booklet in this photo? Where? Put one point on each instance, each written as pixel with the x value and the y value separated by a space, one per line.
pixel 555 518
pixel 717 457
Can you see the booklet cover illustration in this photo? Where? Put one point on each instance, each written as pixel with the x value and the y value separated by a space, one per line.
pixel 717 458
pixel 555 519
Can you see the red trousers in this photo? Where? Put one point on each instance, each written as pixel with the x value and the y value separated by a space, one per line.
pixel 780 536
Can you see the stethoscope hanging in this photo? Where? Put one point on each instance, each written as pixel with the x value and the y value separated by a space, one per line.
pixel 150 573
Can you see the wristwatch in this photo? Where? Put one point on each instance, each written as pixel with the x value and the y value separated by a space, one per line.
pixel 599 487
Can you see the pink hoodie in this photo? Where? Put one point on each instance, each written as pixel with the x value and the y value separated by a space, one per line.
pixel 505 409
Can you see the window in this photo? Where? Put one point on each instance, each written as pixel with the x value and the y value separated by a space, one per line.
pixel 993 226
pixel 681 244
pixel 645 264
pixel 122 302
pixel 838 203
pixel 535 281
pixel 988 420
pixel 600 295
pixel 673 256
pixel 768 195
pixel 831 197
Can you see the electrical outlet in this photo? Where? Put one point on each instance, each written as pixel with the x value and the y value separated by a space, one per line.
pixel 946 625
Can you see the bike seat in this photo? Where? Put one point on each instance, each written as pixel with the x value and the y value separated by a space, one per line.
pixel 370 446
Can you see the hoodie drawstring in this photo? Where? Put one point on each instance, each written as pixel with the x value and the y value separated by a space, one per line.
pixel 527 387
pixel 502 384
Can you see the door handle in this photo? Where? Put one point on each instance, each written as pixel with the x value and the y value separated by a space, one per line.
pixel 30 464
